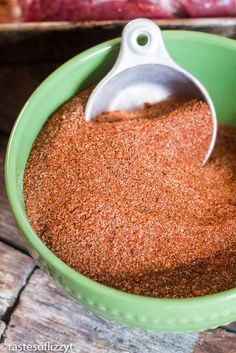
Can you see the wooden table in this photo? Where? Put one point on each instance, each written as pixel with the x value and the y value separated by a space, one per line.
pixel 32 309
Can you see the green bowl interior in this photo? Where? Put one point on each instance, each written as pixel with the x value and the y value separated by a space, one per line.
pixel 210 58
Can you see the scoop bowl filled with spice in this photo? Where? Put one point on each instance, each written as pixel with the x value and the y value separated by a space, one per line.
pixel 145 73
pixel 119 210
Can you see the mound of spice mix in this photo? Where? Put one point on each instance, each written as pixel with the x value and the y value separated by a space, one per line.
pixel 125 200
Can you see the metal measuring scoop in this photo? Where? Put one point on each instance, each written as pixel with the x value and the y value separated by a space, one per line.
pixel 145 73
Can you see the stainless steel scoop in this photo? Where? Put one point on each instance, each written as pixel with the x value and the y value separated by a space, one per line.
pixel 145 73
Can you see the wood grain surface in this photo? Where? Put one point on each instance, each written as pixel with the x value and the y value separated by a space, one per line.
pixel 216 341
pixel 2 329
pixel 45 314
pixel 15 268
pixel 8 230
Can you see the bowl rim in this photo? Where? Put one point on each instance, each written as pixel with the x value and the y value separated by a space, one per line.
pixel 33 239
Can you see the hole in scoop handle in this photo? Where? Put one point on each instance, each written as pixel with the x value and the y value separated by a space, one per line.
pixel 132 53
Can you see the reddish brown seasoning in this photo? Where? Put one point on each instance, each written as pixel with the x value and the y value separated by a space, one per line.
pixel 125 200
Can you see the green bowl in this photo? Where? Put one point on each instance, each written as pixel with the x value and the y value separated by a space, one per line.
pixel 213 60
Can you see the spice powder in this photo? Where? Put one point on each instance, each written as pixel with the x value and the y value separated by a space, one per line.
pixel 125 200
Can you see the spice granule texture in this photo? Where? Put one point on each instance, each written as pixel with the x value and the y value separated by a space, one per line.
pixel 125 200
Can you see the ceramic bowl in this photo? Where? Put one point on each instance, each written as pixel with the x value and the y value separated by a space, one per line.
pixel 212 60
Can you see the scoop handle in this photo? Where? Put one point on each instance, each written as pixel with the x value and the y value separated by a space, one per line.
pixel 133 53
